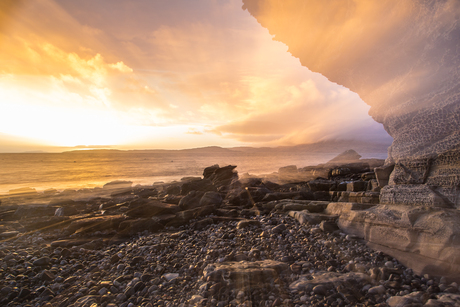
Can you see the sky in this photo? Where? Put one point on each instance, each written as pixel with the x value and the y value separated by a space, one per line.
pixel 160 74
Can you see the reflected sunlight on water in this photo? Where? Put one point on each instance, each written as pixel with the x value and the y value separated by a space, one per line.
pixel 86 169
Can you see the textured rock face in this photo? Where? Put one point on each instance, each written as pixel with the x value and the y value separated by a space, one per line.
pixel 402 58
pixel 425 239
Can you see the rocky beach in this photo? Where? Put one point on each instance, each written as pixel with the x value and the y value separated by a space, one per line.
pixel 89 215
pixel 222 239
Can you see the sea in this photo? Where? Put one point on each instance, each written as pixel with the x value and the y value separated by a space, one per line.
pixel 94 168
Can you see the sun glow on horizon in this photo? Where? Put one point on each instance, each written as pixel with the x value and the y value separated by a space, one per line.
pixel 214 77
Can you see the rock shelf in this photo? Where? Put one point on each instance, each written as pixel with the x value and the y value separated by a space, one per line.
pixel 219 240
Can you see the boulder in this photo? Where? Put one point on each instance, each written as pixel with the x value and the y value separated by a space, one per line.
pixel 337 208
pixel 406 300
pixel 422 238
pixel 357 197
pixel 220 176
pixel 172 199
pixel 357 186
pixel 257 193
pixel 329 280
pixel 368 176
pixel 290 206
pixel 146 192
pixel 320 185
pixel 211 198
pixel 248 182
pixel 239 197
pixel 209 171
pixel 191 200
pixel 202 185
pixel 317 206
pixel 383 173
pixel 314 172
pixel 322 196
pixel 173 189
pixel 328 226
pixel 244 275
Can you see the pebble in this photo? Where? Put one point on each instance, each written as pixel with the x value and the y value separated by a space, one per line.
pixel 42 261
pixel 170 276
pixel 320 290
pixel 389 264
pixel 377 290
pixel 161 269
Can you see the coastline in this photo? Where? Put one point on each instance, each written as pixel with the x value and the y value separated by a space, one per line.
pixel 170 244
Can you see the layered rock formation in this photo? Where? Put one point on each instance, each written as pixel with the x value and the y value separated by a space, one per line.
pixel 402 58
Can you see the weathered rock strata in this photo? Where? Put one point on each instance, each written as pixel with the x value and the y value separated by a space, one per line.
pixel 402 58
pixel 423 238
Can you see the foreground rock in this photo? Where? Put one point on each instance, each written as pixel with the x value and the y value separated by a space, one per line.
pixel 424 239
pixel 236 227
pixel 274 262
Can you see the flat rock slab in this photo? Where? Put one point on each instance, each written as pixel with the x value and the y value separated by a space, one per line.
pixel 97 223
pixel 305 217
pixel 149 208
pixel 339 207
pixel 422 238
pixel 45 223
pixel 9 234
pixel 328 279
pixel 246 275
pixel 449 298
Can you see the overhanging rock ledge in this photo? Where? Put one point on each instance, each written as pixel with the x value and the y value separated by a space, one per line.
pixel 403 59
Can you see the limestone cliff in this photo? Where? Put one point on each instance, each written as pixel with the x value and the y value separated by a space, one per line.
pixel 403 59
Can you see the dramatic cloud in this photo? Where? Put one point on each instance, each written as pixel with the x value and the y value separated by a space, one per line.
pixel 147 74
